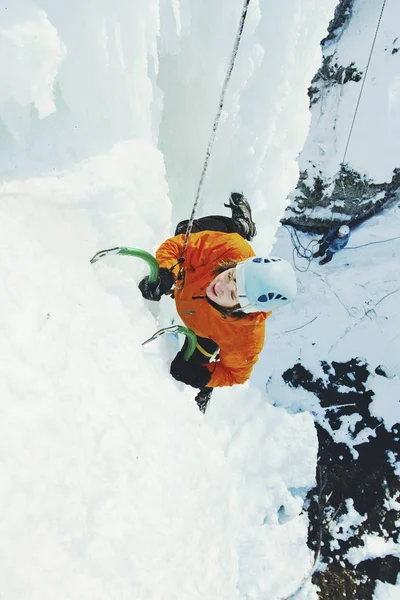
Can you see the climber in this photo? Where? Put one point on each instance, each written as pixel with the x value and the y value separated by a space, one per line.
pixel 336 239
pixel 225 296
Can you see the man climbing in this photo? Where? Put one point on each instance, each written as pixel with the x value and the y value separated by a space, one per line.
pixel 336 239
pixel 224 295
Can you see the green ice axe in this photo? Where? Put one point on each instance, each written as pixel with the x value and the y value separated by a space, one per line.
pixel 153 264
pixel 191 337
pixel 124 251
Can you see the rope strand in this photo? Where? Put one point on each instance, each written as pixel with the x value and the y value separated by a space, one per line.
pixel 216 121
pixel 364 79
pixel 298 248
pixel 342 164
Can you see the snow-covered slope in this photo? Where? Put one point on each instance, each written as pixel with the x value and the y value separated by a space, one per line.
pixel 113 485
pixel 107 465
pixel 351 159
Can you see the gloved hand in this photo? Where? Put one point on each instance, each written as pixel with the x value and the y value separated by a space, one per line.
pixel 188 372
pixel 153 290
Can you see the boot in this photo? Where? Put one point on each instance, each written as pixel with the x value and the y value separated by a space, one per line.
pixel 325 260
pixel 203 398
pixel 241 215
pixel 317 254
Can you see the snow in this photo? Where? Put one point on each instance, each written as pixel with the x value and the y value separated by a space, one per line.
pixel 265 119
pixel 340 309
pixel 386 403
pixel 29 41
pixel 374 147
pixel 373 547
pixel 118 478
pixel 386 591
pixel 346 525
pixel 107 465
pixel 392 503
pixel 395 464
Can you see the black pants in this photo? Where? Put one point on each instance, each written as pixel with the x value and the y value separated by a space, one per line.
pixel 324 248
pixel 210 223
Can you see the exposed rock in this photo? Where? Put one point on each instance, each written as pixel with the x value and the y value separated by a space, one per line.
pixel 343 12
pixel 329 191
pixel 352 199
pixel 364 483
pixel 329 74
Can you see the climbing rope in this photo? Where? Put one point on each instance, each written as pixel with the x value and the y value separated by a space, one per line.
pixel 298 248
pixel 363 82
pixel 342 164
pixel 216 123
pixel 371 243
pixel 306 252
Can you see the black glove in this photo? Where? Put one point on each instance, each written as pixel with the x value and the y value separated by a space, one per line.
pixel 153 290
pixel 188 372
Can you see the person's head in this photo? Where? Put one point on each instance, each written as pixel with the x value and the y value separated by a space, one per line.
pixel 222 289
pixel 257 284
pixel 343 231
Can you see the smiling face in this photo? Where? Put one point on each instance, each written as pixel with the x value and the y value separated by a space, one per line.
pixel 222 290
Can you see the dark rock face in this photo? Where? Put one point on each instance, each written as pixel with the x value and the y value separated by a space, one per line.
pixel 331 73
pixel 353 199
pixel 361 478
pixel 343 13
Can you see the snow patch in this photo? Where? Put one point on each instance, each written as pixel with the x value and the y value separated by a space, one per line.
pixel 374 546
pixel 31 52
pixel 346 526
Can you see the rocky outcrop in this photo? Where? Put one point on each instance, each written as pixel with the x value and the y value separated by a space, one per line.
pixel 330 190
pixel 355 485
pixel 331 73
pixel 343 12
pixel 351 199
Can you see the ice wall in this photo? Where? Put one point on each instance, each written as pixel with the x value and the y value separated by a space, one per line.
pixel 110 478
pixel 265 118
pixel 76 78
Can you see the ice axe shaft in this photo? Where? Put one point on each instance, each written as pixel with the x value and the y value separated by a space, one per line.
pixel 154 268
pixel 125 251
pixel 191 336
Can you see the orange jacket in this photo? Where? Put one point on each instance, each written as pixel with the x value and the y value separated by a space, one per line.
pixel 240 340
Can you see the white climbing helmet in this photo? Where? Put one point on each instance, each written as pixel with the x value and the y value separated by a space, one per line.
pixel 264 284
pixel 344 230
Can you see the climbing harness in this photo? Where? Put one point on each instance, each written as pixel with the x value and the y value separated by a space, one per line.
pixel 209 355
pixel 213 133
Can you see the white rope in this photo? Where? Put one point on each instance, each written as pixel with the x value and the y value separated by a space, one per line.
pixel 364 79
pixel 216 121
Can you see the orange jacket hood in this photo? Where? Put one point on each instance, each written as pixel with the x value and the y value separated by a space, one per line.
pixel 240 340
